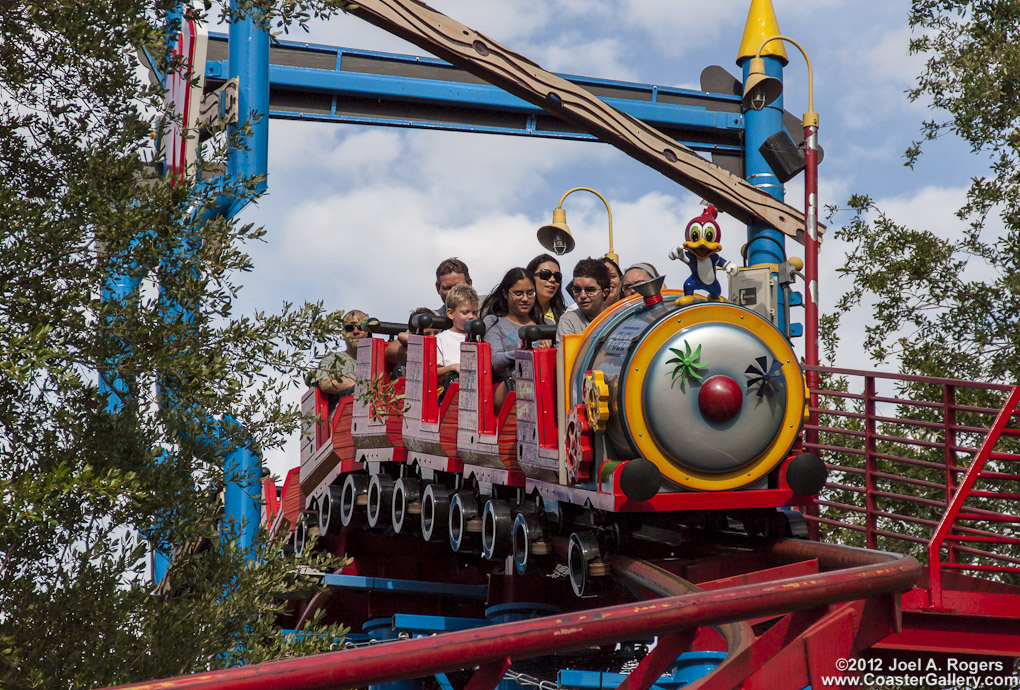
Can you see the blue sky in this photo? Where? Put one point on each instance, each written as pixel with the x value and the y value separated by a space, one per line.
pixel 360 216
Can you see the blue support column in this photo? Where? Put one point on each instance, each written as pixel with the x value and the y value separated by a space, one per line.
pixel 765 244
pixel 242 470
pixel 119 288
pixel 382 629
pixel 249 61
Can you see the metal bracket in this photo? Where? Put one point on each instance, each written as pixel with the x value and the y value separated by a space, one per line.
pixel 219 105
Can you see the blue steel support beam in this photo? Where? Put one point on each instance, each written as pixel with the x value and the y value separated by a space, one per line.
pixel 120 288
pixel 712 122
pixel 414 587
pixel 249 61
pixel 242 469
pixel 765 244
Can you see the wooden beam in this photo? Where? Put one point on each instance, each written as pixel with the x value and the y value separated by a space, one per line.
pixel 452 41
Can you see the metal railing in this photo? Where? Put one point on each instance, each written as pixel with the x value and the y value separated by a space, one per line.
pixel 898 448
pixel 854 575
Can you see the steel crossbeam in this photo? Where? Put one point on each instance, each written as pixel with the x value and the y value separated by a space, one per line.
pixel 343 85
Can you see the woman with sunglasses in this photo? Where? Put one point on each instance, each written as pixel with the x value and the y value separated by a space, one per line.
pixel 508 307
pixel 548 281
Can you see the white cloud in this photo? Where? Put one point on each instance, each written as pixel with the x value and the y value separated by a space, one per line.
pixel 501 21
pixel 889 59
pixel 572 54
pixel 677 30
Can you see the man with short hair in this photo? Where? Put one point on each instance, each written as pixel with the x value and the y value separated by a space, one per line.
pixel 590 289
pixel 450 272
pixel 335 373
pixel 638 273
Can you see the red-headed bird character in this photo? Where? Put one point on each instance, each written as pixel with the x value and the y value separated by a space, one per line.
pixel 700 251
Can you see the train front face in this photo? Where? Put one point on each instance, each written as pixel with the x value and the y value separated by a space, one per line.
pixel 711 393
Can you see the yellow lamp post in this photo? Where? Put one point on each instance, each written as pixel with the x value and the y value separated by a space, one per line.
pixel 556 236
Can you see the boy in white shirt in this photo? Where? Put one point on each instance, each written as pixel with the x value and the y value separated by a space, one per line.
pixel 461 307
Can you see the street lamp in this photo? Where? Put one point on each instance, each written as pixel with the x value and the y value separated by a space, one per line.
pixel 760 90
pixel 556 235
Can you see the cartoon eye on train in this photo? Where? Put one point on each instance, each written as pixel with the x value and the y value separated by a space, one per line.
pixel 656 415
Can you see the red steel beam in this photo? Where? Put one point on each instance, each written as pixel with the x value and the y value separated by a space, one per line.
pixel 406 659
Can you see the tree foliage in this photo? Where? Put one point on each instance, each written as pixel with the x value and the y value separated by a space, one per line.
pixel 949 306
pixel 940 306
pixel 83 475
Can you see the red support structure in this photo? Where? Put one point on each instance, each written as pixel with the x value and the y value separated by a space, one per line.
pixel 488 676
pixel 667 649
pixel 489 647
pixel 949 437
pixel 956 504
pixel 853 444
pixel 870 449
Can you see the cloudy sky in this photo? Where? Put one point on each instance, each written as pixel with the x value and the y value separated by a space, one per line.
pixel 359 216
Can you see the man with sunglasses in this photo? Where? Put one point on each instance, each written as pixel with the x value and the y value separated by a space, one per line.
pixel 336 375
pixel 590 288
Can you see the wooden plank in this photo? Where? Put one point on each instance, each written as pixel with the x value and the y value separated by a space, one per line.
pixel 508 433
pixel 450 40
pixel 293 498
pixel 343 444
pixel 367 430
pixel 449 413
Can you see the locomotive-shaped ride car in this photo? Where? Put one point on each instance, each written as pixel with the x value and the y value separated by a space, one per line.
pixel 657 415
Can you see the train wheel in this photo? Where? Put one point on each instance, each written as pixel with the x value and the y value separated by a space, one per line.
pixel 497 525
pixel 465 523
pixel 379 505
pixel 405 514
pixel 585 564
pixel 299 537
pixel 353 499
pixel 329 511
pixel 528 540
pixel 435 507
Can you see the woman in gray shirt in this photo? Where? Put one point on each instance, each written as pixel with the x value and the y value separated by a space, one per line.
pixel 508 307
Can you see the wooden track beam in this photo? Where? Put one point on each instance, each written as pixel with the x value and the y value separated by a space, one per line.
pixel 478 54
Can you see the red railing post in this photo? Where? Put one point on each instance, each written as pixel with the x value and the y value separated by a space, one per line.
pixel 813 380
pixel 949 427
pixel 870 448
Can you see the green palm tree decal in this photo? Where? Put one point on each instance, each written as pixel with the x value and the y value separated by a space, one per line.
pixel 687 363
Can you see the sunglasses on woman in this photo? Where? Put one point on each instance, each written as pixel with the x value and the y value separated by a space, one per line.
pixel 546 274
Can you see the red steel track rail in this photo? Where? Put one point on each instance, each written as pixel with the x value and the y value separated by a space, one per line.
pixel 490 649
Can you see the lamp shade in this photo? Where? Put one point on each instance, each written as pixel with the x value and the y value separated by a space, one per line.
pixel 760 89
pixel 556 236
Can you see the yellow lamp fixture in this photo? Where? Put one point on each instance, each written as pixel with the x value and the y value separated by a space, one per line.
pixel 556 236
pixel 760 89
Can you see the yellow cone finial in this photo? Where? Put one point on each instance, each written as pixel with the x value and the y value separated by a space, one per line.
pixel 761 24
